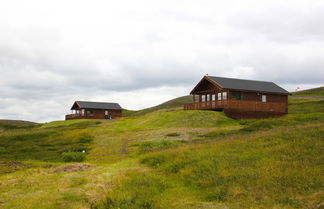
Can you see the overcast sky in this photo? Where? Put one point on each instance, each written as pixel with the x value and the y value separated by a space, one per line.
pixel 141 53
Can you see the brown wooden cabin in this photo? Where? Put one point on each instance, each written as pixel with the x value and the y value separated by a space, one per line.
pixel 239 98
pixel 94 110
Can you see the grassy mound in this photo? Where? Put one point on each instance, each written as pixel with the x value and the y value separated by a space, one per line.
pixel 176 119
pixel 45 144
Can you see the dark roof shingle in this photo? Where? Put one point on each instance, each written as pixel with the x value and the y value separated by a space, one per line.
pixel 99 105
pixel 250 85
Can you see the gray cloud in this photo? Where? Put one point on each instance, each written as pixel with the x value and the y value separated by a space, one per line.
pixel 283 24
pixel 145 52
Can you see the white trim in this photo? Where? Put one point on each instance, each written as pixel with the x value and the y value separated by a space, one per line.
pixel 224 95
pixel 264 98
pixel 219 96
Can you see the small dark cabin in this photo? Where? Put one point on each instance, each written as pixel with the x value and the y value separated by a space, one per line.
pixel 94 110
pixel 239 98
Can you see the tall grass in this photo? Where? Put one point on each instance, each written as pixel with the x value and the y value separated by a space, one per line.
pixel 42 144
pixel 253 172
pixel 136 190
pixel 73 156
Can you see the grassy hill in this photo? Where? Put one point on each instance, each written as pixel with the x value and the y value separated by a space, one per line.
pixel 315 92
pixel 167 158
pixel 173 103
pixel 9 124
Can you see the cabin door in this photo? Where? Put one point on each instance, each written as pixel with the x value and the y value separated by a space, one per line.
pixel 106 114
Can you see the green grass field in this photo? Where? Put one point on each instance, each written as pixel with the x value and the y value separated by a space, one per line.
pixel 316 92
pixel 167 158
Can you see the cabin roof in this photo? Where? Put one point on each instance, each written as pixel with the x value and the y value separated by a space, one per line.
pixel 250 85
pixel 97 105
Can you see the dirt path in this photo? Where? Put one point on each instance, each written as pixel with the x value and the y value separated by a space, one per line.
pixel 124 148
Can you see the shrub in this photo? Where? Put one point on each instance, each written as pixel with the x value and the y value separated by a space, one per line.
pixel 218 133
pixel 173 134
pixel 73 156
pixel 136 191
pixel 163 144
pixel 7 126
pixel 85 138
pixel 154 161
pixel 76 148
pixel 260 125
pixel 217 194
pixel 3 150
pixel 31 136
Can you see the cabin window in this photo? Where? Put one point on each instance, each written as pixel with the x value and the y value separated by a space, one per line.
pixel 89 112
pixel 106 112
pixel 207 97
pixel 82 112
pixel 224 95
pixel 219 96
pixel 213 97
pixel 264 98
pixel 236 95
pixel 203 98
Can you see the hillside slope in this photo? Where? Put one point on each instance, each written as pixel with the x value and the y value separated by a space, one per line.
pixel 173 103
pixel 167 158
pixel 315 92
pixel 7 124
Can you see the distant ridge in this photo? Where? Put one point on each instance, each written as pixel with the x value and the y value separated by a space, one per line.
pixel 173 103
pixel 315 92
pixel 7 124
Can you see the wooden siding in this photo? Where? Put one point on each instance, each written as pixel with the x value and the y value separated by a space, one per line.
pixel 242 109
pixel 238 114
pixel 238 105
pixel 246 103
pixel 254 96
pixel 95 114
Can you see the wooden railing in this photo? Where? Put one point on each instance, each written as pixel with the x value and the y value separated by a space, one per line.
pixel 79 116
pixel 206 105
pixel 238 105
pixel 91 116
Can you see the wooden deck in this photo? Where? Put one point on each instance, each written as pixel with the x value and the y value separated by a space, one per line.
pixel 79 116
pixel 92 116
pixel 249 106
